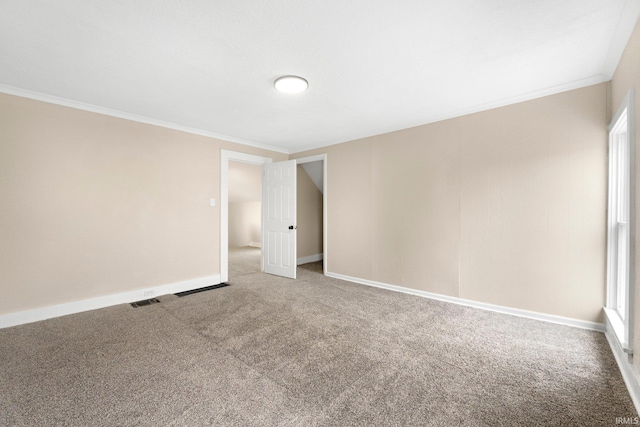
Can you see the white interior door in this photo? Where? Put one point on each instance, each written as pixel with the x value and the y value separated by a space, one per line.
pixel 279 218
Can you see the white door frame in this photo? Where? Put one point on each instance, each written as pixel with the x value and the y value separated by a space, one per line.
pixel 225 157
pixel 325 197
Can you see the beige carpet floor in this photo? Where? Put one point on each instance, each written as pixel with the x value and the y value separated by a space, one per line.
pixel 267 351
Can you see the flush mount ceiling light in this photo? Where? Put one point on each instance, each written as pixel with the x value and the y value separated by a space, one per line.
pixel 291 84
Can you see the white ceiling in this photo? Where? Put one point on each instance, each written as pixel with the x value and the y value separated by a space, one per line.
pixel 373 65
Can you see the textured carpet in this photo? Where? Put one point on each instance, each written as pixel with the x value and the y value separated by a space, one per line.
pixel 243 261
pixel 314 351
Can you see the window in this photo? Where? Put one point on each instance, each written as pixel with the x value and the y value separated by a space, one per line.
pixel 620 223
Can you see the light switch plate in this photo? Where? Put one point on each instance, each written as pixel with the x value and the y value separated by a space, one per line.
pixel 212 202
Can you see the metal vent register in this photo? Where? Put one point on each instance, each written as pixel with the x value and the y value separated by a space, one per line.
pixel 206 288
pixel 144 302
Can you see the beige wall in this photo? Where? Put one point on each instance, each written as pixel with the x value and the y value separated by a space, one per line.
pixel 506 206
pixel 627 76
pixel 94 205
pixel 533 206
pixel 245 195
pixel 309 216
pixel 244 223
pixel 245 182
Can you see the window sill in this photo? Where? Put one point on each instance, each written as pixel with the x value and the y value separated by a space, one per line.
pixel 617 325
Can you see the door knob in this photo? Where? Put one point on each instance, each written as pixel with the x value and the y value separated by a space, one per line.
pixel 291 227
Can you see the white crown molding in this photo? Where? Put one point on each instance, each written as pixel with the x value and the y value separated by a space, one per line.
pixel 554 90
pixel 43 313
pixel 51 99
pixel 577 84
pixel 628 20
pixel 566 321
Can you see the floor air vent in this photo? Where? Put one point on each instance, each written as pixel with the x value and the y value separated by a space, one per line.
pixel 144 302
pixel 206 288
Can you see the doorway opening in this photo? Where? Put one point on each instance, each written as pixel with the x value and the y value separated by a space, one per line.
pixel 245 218
pixel 226 157
pixel 294 215
pixel 312 210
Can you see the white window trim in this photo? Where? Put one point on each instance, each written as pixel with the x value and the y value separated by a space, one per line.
pixel 622 328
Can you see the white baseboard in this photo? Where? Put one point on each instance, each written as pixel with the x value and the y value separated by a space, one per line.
pixel 58 310
pixel 628 371
pixel 567 321
pixel 310 258
pixel 255 244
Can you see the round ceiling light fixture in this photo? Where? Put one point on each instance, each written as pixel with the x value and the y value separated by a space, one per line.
pixel 291 84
